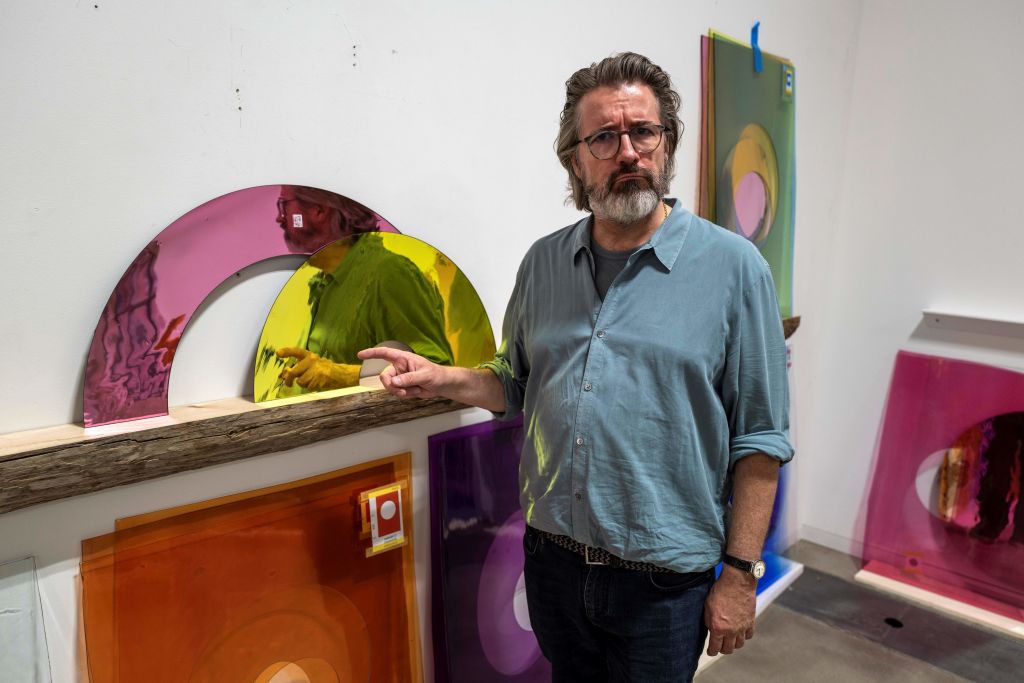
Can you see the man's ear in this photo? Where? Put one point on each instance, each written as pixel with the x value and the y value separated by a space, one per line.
pixel 318 212
pixel 576 164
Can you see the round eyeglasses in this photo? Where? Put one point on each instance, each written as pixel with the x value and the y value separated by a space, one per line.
pixel 283 202
pixel 645 138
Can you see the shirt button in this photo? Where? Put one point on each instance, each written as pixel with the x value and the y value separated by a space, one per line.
pixel 600 334
pixel 579 440
pixel 587 386
pixel 579 496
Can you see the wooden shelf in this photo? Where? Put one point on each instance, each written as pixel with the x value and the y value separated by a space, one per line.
pixel 61 462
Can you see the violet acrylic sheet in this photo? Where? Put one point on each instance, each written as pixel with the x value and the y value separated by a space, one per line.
pixel 481 625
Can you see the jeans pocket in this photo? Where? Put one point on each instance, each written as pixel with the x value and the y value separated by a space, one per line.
pixel 675 582
pixel 531 541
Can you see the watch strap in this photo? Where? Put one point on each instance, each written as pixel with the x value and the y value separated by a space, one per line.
pixel 742 565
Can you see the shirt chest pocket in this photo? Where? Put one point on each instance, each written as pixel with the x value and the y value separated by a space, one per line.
pixel 672 346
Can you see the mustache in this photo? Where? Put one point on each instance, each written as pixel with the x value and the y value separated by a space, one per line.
pixel 629 170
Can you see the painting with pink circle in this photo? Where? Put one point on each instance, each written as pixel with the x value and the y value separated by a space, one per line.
pixel 747 178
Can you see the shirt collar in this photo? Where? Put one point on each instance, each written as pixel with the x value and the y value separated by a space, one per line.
pixel 666 242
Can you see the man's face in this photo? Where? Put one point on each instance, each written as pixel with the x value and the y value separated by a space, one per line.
pixel 306 225
pixel 628 186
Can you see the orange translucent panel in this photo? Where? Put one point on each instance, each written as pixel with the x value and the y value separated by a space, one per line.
pixel 269 586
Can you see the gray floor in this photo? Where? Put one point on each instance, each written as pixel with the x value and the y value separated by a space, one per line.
pixel 825 627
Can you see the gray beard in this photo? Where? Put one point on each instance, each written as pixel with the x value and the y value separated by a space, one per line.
pixel 629 204
pixel 625 208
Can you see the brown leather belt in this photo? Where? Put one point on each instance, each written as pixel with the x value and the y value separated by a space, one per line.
pixel 599 555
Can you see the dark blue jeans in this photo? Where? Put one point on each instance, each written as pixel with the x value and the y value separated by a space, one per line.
pixel 601 623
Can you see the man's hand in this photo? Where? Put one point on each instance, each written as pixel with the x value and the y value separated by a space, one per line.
pixel 315 373
pixel 408 375
pixel 729 611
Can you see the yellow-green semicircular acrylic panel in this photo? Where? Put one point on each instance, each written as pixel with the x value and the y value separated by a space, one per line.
pixel 359 292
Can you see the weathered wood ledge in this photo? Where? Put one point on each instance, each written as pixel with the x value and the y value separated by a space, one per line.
pixel 61 462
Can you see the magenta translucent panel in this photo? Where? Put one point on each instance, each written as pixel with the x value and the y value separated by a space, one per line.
pixel 129 361
pixel 480 621
pixel 946 487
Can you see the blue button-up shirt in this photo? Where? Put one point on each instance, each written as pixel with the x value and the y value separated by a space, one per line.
pixel 637 406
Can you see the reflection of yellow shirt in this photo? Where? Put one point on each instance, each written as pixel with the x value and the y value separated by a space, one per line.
pixel 375 295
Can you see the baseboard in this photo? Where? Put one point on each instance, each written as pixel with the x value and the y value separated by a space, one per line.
pixel 831 540
pixel 1003 624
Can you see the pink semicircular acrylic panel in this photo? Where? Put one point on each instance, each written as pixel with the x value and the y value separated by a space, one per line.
pixel 129 362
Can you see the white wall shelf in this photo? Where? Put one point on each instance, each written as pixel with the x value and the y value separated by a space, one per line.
pixel 963 322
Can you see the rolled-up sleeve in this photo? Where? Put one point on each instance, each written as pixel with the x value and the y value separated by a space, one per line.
pixel 511 363
pixel 755 388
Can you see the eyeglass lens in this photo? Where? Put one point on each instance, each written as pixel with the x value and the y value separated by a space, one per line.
pixel 644 139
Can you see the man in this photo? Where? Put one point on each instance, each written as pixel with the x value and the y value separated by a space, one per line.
pixel 645 347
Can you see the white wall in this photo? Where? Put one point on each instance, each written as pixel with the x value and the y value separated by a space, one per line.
pixel 118 119
pixel 926 218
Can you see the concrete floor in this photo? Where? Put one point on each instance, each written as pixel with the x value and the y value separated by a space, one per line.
pixel 827 628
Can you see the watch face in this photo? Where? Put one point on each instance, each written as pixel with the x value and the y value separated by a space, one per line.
pixel 758 569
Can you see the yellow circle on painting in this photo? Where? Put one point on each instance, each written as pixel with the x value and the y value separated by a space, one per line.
pixel 751 177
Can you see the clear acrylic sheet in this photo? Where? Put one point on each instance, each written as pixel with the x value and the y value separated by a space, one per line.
pixel 23 654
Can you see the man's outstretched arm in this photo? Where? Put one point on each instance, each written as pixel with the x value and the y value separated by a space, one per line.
pixel 412 376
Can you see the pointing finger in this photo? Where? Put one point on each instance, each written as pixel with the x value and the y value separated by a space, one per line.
pixel 388 354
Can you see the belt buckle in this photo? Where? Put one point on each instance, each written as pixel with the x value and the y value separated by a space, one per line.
pixel 586 556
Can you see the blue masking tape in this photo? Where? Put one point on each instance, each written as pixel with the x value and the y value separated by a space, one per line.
pixel 758 64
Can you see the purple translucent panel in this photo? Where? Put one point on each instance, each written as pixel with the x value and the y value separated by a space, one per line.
pixel 480 626
pixel 946 488
pixel 129 361
pixel 481 630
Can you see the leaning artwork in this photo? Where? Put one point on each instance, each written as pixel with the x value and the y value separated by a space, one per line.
pixel 268 586
pixel 944 511
pixel 747 154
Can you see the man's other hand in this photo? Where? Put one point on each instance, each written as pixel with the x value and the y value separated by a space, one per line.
pixel 729 611
pixel 408 375
pixel 315 373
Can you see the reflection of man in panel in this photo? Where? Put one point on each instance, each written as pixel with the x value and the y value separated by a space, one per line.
pixel 363 295
pixel 1003 456
pixel 645 347
pixel 312 218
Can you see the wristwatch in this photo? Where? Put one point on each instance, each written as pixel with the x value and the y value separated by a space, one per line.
pixel 755 568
